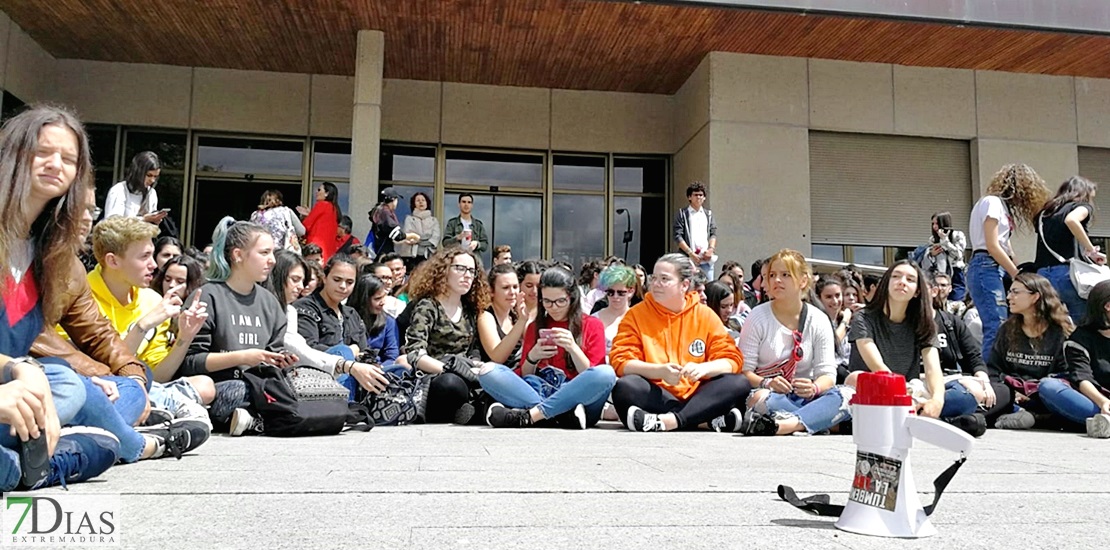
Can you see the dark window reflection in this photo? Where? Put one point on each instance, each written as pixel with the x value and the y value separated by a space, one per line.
pixel 12 106
pixel 494 169
pixel 401 163
pixel 579 173
pixel 170 148
pixel 102 146
pixel 868 255
pixel 217 198
pixel 641 216
pixel 250 156
pixel 633 175
pixel 578 222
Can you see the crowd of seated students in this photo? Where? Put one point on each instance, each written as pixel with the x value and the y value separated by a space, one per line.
pixel 140 341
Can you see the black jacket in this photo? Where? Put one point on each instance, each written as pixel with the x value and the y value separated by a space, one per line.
pixel 958 351
pixel 322 328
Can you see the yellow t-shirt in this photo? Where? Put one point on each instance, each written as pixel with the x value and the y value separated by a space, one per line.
pixel 156 343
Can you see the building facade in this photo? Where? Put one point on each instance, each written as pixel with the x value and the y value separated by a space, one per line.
pixel 840 159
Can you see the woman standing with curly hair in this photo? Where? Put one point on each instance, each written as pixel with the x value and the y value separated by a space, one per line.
pixel 1013 198
pixel 447 295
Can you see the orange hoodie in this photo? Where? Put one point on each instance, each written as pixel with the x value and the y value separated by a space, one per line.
pixel 655 334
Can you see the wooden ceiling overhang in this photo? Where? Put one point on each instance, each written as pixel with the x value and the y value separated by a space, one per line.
pixel 572 44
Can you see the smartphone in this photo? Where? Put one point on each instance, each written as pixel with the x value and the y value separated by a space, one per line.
pixel 547 337
pixel 34 461
pixel 165 210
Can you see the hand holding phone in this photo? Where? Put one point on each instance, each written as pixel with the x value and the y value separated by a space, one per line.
pixel 547 337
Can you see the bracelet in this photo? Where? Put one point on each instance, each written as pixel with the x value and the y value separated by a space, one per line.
pixel 766 383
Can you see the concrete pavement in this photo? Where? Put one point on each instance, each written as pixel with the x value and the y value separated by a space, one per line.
pixel 475 487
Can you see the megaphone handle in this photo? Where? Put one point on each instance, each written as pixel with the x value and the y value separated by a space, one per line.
pixel 942 481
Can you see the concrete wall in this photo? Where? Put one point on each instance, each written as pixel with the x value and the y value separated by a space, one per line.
pixel 750 115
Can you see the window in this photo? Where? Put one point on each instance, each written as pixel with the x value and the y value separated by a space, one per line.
pixel 172 150
pixel 641 226
pixel 407 163
pixel 495 170
pixel 249 157
pixel 103 141
pixel 12 105
pixel 331 161
pixel 833 252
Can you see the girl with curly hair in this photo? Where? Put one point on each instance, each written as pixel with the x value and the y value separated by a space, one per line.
pixel 441 340
pixel 1029 347
pixel 1012 201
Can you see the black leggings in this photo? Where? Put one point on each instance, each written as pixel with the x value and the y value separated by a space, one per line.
pixel 713 398
pixel 1003 402
pixel 446 394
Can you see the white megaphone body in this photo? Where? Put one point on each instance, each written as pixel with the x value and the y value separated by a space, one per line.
pixel 883 501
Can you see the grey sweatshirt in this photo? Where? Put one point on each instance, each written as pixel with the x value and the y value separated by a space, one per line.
pixel 235 322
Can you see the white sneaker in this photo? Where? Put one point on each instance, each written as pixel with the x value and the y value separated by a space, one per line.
pixel 242 421
pixel 1098 426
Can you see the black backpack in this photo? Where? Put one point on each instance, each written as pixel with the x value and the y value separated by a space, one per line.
pixel 283 415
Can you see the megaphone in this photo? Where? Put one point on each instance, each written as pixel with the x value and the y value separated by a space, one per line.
pixel 883 501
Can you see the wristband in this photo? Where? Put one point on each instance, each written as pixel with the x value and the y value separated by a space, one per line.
pixel 7 374
pixel 766 383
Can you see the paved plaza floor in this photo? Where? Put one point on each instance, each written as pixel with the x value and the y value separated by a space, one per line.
pixel 475 487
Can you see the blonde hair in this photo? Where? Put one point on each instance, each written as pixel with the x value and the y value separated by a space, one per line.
pixel 796 264
pixel 115 234
pixel 1023 191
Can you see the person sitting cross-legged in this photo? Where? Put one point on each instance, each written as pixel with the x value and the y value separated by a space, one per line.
pixel 563 375
pixel 789 349
pixel 678 367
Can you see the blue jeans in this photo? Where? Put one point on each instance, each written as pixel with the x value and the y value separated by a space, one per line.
pixel 958 400
pixel 1062 400
pixel 707 268
pixel 1060 277
pixel 68 393
pixel 984 282
pixel 959 286
pixel 117 418
pixel 817 415
pixel 590 388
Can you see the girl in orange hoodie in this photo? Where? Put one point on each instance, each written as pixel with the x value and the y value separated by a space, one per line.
pixel 677 365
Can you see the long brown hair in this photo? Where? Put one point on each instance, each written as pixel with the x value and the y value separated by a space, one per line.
pixel 919 312
pixel 56 229
pixel 431 280
pixel 1048 309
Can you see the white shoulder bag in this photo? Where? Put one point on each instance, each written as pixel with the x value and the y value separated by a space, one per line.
pixel 1084 275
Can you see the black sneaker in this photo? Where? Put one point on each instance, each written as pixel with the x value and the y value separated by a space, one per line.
pixel 500 416
pixel 728 422
pixel 574 419
pixel 465 414
pixel 974 424
pixel 178 437
pixel 82 453
pixel 639 421
pixel 158 417
pixel 758 424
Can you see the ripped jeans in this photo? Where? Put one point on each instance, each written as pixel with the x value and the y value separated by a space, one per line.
pixel 817 415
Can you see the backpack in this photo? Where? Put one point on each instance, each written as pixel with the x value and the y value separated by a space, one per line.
pixel 404 401
pixel 274 398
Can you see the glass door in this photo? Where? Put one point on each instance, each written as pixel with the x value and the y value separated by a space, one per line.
pixel 515 220
pixel 216 198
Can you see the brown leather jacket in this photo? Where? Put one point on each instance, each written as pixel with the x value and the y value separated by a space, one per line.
pixel 99 349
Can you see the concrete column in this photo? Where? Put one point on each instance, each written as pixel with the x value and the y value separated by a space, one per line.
pixel 366 128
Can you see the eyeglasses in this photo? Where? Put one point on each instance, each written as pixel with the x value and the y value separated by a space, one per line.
pixel 558 302
pixel 1018 291
pixel 464 270
pixel 612 292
